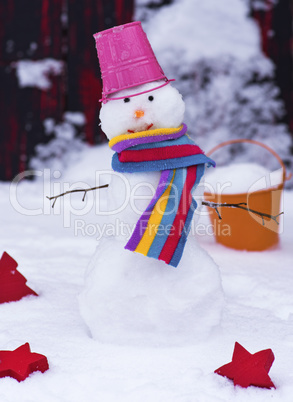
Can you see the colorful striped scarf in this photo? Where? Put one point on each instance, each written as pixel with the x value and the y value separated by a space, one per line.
pixel 161 231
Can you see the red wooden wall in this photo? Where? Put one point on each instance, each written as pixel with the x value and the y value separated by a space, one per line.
pixel 277 42
pixel 58 29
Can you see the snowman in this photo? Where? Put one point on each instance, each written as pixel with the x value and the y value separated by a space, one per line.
pixel 150 284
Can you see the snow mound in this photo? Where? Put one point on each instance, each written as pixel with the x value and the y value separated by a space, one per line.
pixel 131 299
pixel 239 178
pixel 36 73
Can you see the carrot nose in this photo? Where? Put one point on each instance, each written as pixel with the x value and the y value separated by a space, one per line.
pixel 139 113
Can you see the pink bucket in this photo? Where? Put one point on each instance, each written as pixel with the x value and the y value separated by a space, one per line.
pixel 126 58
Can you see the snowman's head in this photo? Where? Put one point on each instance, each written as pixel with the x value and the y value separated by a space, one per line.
pixel 160 108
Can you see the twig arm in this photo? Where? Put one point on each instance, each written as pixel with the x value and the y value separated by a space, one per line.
pixel 241 205
pixel 83 190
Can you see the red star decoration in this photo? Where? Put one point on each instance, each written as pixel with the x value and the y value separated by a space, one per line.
pixel 20 363
pixel 12 283
pixel 247 369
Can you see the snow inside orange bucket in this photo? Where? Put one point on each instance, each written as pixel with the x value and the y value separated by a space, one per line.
pixel 240 229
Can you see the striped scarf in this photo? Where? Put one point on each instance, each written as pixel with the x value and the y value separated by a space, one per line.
pixel 161 231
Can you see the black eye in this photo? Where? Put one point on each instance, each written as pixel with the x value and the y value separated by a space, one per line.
pixel 151 98
pixel 126 100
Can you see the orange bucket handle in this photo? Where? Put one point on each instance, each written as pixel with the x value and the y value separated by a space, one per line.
pixel 285 177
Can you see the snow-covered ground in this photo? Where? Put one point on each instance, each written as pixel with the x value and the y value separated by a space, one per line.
pixel 53 252
pixel 54 246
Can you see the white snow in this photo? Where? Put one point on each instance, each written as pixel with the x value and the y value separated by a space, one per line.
pixel 264 5
pixel 36 73
pixel 198 29
pixel 76 118
pixel 258 311
pixel 64 146
pixel 241 178
pixel 133 300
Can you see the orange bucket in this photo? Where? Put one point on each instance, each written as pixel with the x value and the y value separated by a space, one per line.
pixel 243 230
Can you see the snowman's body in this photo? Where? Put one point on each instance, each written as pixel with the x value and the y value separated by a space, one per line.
pixel 131 298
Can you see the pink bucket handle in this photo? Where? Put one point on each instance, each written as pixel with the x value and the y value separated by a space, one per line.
pixel 105 100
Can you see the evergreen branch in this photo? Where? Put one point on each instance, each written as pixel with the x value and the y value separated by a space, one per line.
pixel 55 197
pixel 241 205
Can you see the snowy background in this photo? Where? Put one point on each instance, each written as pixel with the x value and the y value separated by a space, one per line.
pixel 213 51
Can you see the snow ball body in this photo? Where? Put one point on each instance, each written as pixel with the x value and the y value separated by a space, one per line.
pixel 130 298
